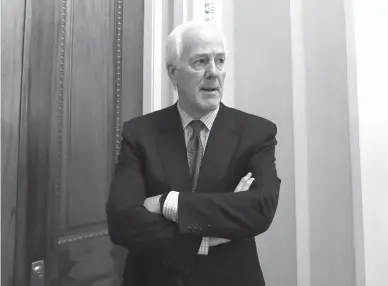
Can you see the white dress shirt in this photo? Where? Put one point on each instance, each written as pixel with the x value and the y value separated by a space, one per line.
pixel 170 207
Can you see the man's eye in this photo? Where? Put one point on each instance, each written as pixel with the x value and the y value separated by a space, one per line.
pixel 199 64
pixel 220 63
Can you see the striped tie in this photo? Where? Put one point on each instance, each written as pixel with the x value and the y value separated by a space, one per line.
pixel 195 151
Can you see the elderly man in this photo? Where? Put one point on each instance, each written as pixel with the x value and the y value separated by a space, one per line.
pixel 195 182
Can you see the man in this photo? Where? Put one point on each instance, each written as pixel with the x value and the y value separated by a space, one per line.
pixel 195 182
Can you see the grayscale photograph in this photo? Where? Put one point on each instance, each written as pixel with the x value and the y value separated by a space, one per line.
pixel 194 143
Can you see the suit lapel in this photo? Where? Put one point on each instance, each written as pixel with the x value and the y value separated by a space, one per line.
pixel 220 147
pixel 172 151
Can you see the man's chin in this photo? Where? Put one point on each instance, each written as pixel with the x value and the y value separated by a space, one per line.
pixel 211 100
pixel 211 104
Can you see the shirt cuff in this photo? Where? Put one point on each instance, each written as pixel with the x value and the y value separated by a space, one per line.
pixel 204 247
pixel 170 207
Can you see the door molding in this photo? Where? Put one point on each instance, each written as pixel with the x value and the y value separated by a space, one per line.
pixel 118 71
pixel 152 58
pixel 13 13
pixel 300 142
pixel 84 236
pixel 12 36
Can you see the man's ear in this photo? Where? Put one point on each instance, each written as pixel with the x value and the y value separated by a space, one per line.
pixel 171 70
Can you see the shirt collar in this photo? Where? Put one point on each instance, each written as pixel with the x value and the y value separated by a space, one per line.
pixel 208 119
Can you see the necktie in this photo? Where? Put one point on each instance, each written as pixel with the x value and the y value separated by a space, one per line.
pixel 195 151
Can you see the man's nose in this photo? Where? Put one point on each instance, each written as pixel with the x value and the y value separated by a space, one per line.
pixel 211 69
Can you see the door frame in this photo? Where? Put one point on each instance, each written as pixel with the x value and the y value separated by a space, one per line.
pixel 12 42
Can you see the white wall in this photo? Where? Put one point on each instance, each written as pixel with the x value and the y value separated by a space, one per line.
pixel 263 86
pixel 275 52
pixel 370 88
pixel 329 167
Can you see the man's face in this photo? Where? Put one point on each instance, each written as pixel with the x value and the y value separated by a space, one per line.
pixel 200 74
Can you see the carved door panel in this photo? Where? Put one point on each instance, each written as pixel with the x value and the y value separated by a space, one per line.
pixel 91 104
pixel 82 77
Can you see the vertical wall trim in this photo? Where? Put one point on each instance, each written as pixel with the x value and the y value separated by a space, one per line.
pixel 1 72
pixel 199 10
pixel 358 228
pixel 180 12
pixel 300 145
pixel 210 10
pixel 118 72
pixel 187 10
pixel 60 120
pixel 20 264
pixel 152 60
pixel 225 10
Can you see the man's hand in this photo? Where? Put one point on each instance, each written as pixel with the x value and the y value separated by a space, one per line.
pixel 244 185
pixel 214 241
pixel 152 204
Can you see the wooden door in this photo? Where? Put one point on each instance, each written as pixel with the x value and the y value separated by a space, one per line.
pixel 81 77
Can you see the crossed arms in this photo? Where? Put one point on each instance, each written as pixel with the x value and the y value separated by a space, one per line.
pixel 224 216
pixel 152 204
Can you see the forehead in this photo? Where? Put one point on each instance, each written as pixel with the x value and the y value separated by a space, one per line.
pixel 202 41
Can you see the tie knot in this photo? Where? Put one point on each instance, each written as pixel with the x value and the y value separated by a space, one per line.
pixel 197 126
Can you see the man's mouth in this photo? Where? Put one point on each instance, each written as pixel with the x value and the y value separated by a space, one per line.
pixel 209 89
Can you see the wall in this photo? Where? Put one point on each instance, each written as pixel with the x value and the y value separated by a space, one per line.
pixel 263 86
pixel 290 67
pixel 330 188
pixel 367 22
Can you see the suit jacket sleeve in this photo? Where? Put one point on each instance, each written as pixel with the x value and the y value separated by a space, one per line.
pixel 131 225
pixel 236 215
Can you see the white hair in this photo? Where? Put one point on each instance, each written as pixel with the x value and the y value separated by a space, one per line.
pixel 174 44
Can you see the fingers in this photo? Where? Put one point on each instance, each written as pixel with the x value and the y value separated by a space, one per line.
pixel 214 241
pixel 248 184
pixel 242 182
pixel 152 204
pixel 146 202
pixel 223 240
pixel 245 183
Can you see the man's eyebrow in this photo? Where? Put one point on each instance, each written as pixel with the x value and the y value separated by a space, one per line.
pixel 200 55
pixel 206 54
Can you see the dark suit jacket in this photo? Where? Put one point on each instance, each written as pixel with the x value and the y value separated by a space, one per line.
pixel 153 160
